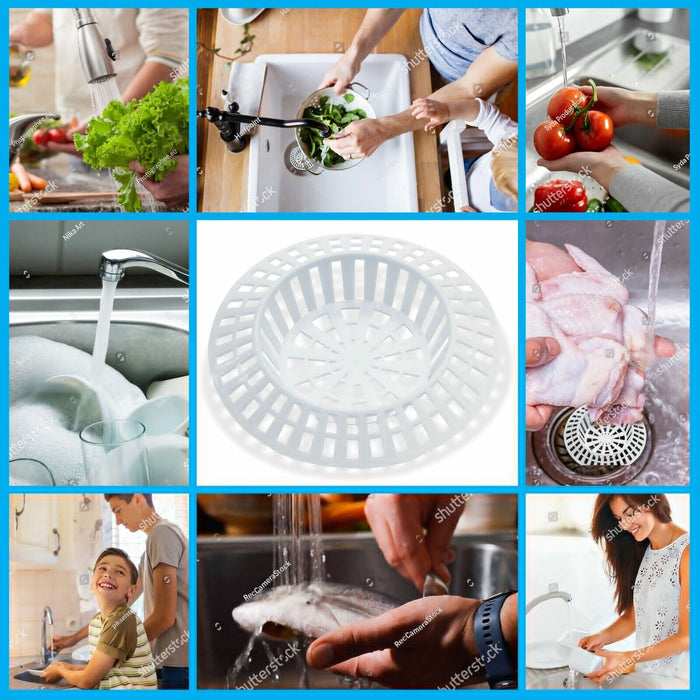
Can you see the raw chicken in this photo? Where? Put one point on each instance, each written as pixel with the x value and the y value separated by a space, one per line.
pixel 605 346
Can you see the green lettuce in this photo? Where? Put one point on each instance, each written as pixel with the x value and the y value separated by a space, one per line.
pixel 152 131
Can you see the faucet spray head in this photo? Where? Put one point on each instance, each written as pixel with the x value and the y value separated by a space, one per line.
pixel 96 53
pixel 559 11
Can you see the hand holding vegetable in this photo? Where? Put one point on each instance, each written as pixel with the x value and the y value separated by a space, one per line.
pixel 152 131
pixel 573 124
pixel 359 139
pixel 625 106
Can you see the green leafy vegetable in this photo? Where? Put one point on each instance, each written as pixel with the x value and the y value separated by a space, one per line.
pixel 335 116
pixel 152 131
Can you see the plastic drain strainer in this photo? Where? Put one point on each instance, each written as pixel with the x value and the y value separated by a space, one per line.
pixel 356 351
pixel 593 444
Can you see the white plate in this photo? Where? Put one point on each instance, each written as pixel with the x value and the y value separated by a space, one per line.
pixel 546 655
pixel 81 653
pixel 240 15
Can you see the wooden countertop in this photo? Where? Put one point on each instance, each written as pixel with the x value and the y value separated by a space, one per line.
pixel 222 176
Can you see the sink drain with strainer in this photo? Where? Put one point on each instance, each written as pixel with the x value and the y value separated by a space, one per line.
pixel 357 351
pixel 572 449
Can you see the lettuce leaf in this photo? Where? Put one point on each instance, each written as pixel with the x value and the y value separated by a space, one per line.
pixel 152 131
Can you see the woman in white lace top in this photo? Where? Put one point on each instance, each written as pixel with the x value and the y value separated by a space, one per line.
pixel 648 559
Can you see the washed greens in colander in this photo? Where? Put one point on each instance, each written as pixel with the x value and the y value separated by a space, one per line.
pixel 337 117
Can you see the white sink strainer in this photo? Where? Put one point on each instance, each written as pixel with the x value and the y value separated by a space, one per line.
pixel 356 351
pixel 596 444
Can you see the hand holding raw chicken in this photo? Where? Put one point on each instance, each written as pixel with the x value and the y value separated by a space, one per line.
pixel 603 340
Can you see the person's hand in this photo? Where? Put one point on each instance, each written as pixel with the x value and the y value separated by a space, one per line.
pixel 68 147
pixel 340 75
pixel 616 664
pixel 602 166
pixel 538 352
pixel 593 642
pixel 61 642
pixel 414 532
pixel 624 106
pixel 173 189
pixel 380 650
pixel 52 673
pixel 434 111
pixel 358 139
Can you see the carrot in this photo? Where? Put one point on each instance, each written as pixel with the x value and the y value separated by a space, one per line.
pixel 24 183
pixel 38 183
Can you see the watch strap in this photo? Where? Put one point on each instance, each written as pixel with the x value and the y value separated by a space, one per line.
pixel 500 673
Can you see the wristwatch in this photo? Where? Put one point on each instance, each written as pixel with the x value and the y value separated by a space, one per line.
pixel 500 672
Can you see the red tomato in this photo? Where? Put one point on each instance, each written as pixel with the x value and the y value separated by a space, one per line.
pixel 593 131
pixel 563 105
pixel 58 135
pixel 40 137
pixel 552 142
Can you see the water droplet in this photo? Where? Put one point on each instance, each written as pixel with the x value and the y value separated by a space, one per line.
pixel 369 582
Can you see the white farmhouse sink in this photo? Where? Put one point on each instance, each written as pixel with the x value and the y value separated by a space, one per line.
pixel 385 182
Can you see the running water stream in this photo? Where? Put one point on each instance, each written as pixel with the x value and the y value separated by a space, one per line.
pixel 102 92
pixel 99 349
pixel 654 273
pixel 298 554
pixel 562 40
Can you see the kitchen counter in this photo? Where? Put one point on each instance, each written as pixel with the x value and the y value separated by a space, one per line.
pixel 96 192
pixel 222 176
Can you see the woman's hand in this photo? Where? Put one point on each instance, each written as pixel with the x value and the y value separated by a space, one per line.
pixel 593 642
pixel 358 139
pixel 434 111
pixel 624 106
pixel 341 74
pixel 173 189
pixel 616 664
pixel 602 166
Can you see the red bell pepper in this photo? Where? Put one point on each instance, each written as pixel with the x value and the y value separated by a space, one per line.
pixel 560 196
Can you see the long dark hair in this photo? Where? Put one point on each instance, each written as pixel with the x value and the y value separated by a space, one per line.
pixel 623 553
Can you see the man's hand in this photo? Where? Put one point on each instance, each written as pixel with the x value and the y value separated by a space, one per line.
pixel 393 651
pixel 173 189
pixel 414 532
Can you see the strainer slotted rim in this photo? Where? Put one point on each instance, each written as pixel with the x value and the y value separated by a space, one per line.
pixel 356 351
pixel 593 444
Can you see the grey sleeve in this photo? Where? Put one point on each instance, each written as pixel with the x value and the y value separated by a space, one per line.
pixel 674 109
pixel 164 547
pixel 641 190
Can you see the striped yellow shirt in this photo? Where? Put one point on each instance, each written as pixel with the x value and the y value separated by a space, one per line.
pixel 121 635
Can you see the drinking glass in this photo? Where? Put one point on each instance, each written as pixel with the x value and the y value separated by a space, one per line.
pixel 30 472
pixel 115 453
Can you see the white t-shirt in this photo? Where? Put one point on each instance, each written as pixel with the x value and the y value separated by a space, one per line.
pixel 139 35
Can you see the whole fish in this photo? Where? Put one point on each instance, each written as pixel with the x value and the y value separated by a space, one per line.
pixel 309 609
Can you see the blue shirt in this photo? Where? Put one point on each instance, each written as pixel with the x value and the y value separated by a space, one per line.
pixel 454 37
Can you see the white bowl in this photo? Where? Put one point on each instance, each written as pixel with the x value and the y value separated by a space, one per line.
pixel 168 460
pixel 163 416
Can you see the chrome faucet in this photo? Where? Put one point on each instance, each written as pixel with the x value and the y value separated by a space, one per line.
pixel 115 262
pixel 228 123
pixel 47 652
pixel 19 128
pixel 96 53
pixel 559 11
pixel 566 597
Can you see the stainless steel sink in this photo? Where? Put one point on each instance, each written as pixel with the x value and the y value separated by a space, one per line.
pixel 613 65
pixel 20 675
pixel 631 681
pixel 148 339
pixel 620 246
pixel 229 567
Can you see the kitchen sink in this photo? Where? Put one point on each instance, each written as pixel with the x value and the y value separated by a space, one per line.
pixel 27 673
pixel 148 342
pixel 631 681
pixel 664 151
pixel 230 567
pixel 384 182
pixel 625 246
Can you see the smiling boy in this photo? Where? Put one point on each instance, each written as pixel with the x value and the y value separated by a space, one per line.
pixel 120 655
